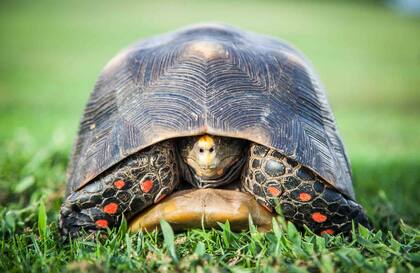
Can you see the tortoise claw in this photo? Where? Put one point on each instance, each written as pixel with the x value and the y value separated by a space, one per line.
pixel 74 221
pixel 72 224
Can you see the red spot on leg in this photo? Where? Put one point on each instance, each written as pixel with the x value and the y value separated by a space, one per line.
pixel 304 197
pixel 327 231
pixel 273 191
pixel 160 198
pixel 319 217
pixel 101 223
pixel 110 208
pixel 267 207
pixel 146 185
pixel 119 184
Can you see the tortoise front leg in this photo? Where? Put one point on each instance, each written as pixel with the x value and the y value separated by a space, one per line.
pixel 128 188
pixel 304 197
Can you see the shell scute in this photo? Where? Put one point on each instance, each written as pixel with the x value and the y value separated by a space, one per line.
pixel 209 79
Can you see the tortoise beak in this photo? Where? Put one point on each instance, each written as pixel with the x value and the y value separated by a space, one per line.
pixel 196 208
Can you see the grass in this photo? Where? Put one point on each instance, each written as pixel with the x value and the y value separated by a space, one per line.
pixel 30 240
pixel 367 56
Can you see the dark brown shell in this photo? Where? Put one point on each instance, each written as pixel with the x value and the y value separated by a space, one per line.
pixel 209 79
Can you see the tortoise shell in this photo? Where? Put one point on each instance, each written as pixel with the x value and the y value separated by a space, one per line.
pixel 209 79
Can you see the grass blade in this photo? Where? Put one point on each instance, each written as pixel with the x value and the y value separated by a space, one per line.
pixel 169 239
pixel 42 219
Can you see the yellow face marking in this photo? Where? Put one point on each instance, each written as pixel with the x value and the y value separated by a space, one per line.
pixel 206 142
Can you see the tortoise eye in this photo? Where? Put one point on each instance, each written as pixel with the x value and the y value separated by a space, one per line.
pixel 201 150
pixel 211 149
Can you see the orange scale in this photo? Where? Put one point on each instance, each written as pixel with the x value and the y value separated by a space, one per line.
pixel 327 231
pixel 160 198
pixel 267 207
pixel 319 217
pixel 119 184
pixel 273 191
pixel 101 223
pixel 146 185
pixel 110 208
pixel 305 197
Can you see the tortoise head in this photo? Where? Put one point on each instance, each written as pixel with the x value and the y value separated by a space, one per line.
pixel 212 158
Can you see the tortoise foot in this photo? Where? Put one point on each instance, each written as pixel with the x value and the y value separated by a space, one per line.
pixel 73 220
pixel 133 185
pixel 319 207
pixel 302 196
pixel 83 212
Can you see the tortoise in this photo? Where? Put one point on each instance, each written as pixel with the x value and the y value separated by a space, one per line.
pixel 221 121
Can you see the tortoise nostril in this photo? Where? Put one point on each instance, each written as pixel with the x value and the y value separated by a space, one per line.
pixel 201 150
pixel 211 149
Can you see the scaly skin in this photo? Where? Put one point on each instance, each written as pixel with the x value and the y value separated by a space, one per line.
pixel 128 188
pixel 304 197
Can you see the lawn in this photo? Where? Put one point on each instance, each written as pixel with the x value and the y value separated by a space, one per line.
pixel 367 55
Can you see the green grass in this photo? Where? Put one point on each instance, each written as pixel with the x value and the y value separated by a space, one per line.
pixel 32 181
pixel 367 56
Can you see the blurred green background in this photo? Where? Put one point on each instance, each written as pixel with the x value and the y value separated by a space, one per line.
pixel 367 55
